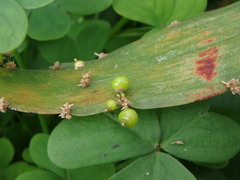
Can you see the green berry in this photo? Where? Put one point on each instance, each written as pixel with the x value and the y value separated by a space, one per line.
pixel 128 117
pixel 111 105
pixel 78 65
pixel 120 83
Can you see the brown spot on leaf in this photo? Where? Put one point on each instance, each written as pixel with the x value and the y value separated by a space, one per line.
pixel 206 66
pixel 116 146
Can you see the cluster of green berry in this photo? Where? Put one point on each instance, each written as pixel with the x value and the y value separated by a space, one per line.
pixel 127 117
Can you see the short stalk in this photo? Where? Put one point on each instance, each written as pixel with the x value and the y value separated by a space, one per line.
pixel 43 124
pixel 118 27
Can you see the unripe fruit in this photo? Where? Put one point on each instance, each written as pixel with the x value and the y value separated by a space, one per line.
pixel 78 65
pixel 120 83
pixel 110 105
pixel 128 118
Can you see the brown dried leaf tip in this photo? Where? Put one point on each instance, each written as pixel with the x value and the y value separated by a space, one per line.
pixel 233 85
pixel 66 111
pixel 123 101
pixel 101 55
pixel 85 81
pixel 56 65
pixel 11 65
pixel 174 23
pixel 3 105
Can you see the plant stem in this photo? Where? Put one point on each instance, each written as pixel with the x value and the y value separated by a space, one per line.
pixel 43 124
pixel 19 60
pixel 118 26
pixel 24 125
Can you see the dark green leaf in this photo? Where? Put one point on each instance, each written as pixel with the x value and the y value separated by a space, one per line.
pixel 226 100
pixel 232 170
pixel 6 152
pixel 13 23
pixel 99 172
pixel 84 7
pixel 48 23
pixel 148 126
pixel 214 165
pixel 153 167
pixel 92 37
pixel 207 138
pixel 38 175
pixel 32 4
pixel 159 12
pixel 16 169
pixel 174 118
pixel 93 140
pixel 120 41
pixel 64 50
pixel 38 152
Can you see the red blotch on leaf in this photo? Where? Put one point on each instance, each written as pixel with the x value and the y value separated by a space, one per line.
pixel 205 94
pixel 206 66
pixel 206 41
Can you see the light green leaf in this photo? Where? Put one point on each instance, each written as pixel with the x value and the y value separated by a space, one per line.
pixel 16 169
pixel 206 138
pixel 48 23
pixel 32 4
pixel 26 156
pixel 154 167
pixel 6 152
pixel 84 7
pixel 64 50
pixel 159 12
pixel 13 23
pixel 38 175
pixel 73 143
pixel 38 152
pixel 99 172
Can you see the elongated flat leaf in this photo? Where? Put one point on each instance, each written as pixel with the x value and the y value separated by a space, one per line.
pixel 206 137
pixel 33 4
pixel 159 12
pixel 48 23
pixel 38 152
pixel 84 7
pixel 153 167
pixel 6 152
pixel 13 23
pixel 171 67
pixel 38 175
pixel 73 144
